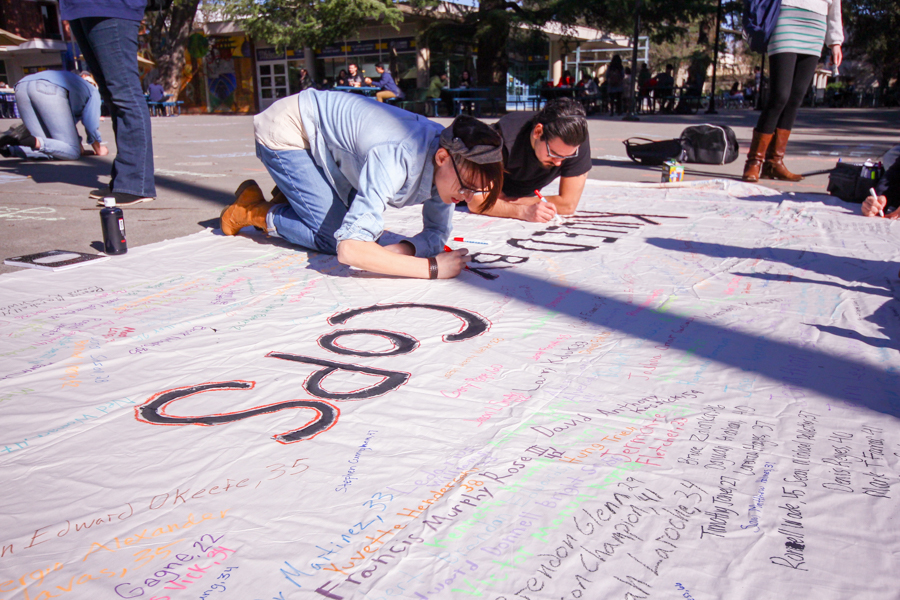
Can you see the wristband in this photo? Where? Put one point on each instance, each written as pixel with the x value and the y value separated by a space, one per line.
pixel 432 268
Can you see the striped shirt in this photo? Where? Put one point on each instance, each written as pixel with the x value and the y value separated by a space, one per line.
pixel 799 31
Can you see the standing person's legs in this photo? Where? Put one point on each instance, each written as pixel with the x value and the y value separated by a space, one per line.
pixel 45 110
pixel 110 49
pixel 781 82
pixel 781 78
pixel 804 69
pixel 314 211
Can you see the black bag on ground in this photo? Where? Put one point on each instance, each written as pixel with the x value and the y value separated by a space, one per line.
pixel 851 182
pixel 651 152
pixel 709 144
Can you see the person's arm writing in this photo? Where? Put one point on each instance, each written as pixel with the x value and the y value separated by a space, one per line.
pixel 525 209
pixel 532 209
pixel 398 259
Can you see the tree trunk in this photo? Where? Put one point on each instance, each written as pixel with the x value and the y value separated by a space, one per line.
pixel 492 37
pixel 170 29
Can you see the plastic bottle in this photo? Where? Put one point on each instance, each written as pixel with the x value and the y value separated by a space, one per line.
pixel 113 221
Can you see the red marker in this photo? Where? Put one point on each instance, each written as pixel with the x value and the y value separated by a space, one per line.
pixel 449 249
pixel 555 218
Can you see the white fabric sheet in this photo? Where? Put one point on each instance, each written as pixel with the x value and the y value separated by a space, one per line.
pixel 682 391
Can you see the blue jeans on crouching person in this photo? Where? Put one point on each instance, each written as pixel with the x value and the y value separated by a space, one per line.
pixel 314 210
pixel 44 108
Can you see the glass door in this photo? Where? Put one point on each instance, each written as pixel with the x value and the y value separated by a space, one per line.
pixel 273 82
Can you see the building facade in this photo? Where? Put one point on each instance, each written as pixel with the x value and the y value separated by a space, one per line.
pixel 246 75
pixel 38 22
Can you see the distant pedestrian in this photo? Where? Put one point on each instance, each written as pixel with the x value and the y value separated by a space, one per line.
pixel 355 78
pixel 389 88
pixel 305 81
pixel 643 78
pixel 107 34
pixel 794 50
pixel 51 103
pixel 615 84
pixel 156 92
pixel 436 86
pixel 664 90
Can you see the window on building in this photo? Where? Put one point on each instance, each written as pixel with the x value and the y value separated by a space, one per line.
pixel 51 21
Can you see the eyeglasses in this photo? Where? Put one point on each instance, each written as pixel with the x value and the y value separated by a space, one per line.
pixel 553 154
pixel 463 190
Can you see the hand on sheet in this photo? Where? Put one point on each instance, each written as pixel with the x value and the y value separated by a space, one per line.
pixel 98 149
pixel 874 205
pixel 540 212
pixel 450 264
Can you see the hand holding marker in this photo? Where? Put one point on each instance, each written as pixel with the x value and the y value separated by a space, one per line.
pixel 874 195
pixel 465 241
pixel 449 249
pixel 555 220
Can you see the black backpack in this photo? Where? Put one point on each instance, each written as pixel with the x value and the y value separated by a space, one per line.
pixel 653 153
pixel 851 182
pixel 704 144
pixel 710 144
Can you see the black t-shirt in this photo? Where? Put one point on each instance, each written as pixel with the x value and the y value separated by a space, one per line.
pixel 524 172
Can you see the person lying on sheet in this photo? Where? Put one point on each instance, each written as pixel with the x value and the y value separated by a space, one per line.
pixel 538 148
pixel 339 160
pixel 887 190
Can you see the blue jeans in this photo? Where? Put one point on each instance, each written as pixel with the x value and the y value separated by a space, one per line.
pixel 45 109
pixel 314 210
pixel 110 49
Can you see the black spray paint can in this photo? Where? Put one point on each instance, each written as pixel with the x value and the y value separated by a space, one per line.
pixel 113 221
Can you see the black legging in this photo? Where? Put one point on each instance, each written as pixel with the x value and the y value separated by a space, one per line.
pixel 790 76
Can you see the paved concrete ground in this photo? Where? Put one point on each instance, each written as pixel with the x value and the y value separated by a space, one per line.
pixel 200 160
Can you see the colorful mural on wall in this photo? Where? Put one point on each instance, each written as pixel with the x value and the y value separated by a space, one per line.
pixel 229 74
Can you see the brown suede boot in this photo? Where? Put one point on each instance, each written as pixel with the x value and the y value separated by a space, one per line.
pixel 249 208
pixel 755 155
pixel 774 167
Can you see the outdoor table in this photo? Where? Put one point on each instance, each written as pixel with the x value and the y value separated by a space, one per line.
pixel 365 90
pixel 460 95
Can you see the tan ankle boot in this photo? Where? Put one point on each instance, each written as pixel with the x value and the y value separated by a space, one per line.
pixel 249 208
pixel 774 167
pixel 755 155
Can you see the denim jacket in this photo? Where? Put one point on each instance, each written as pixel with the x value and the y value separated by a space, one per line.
pixel 383 153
